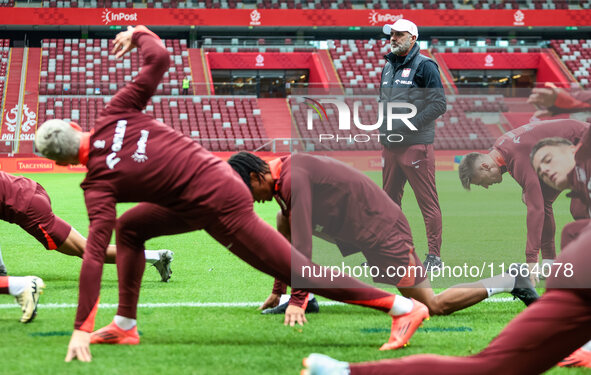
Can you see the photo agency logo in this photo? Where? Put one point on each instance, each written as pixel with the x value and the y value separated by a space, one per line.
pixel 394 111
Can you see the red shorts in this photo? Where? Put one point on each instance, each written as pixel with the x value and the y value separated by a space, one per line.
pixel 396 258
pixel 41 223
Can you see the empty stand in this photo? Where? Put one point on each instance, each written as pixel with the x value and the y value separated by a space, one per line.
pixel 359 63
pixel 320 4
pixel 87 4
pixel 5 147
pixel 576 55
pixel 86 67
pixel 221 124
pixel 4 52
pixel 456 129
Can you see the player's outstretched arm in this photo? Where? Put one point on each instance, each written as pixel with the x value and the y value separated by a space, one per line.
pixel 554 100
pixel 543 96
pixel 156 60
pixel 79 347
pixel 123 42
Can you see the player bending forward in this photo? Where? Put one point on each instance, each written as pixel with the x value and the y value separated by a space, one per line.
pixel 25 203
pixel 340 204
pixel 564 166
pixel 131 157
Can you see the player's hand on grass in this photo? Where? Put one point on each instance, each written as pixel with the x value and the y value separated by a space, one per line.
pixel 270 302
pixel 534 275
pixel 295 314
pixel 122 43
pixel 79 347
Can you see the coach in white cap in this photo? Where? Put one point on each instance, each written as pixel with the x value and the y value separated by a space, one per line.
pixel 402 25
pixel 412 78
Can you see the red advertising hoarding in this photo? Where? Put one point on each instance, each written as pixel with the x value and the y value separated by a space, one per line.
pixel 293 17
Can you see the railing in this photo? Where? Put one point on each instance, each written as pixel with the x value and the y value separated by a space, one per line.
pixel 101 88
pixel 258 89
pixel 257 42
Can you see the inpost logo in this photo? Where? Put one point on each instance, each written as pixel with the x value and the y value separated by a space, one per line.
pixel 344 120
pixel 109 16
pixel 376 18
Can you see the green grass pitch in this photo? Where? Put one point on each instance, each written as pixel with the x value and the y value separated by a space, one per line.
pixel 478 225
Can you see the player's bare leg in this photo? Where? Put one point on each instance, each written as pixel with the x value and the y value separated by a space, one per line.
pixel 448 301
pixel 462 296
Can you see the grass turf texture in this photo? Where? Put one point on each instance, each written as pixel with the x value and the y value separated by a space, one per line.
pixel 478 225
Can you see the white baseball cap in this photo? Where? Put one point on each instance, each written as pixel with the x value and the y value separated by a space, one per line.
pixel 402 25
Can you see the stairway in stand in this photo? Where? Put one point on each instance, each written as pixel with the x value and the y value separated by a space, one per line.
pixel 10 107
pixel 276 118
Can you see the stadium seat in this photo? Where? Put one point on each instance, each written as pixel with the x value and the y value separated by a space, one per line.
pixel 88 67
pixel 576 55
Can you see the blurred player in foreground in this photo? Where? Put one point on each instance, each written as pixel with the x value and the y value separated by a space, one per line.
pixel 564 166
pixel 338 203
pixel 26 204
pixel 26 290
pixel 182 187
pixel 510 153
pixel 537 339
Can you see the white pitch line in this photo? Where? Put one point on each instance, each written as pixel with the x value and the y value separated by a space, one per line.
pixel 192 304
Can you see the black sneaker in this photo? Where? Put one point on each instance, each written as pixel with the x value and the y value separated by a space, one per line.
pixel 3 271
pixel 163 264
pixel 523 289
pixel 432 261
pixel 312 308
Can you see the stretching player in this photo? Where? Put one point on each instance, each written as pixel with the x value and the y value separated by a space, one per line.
pixel 537 339
pixel 26 290
pixel 340 204
pixel 510 153
pixel 131 157
pixel 26 204
pixel 562 165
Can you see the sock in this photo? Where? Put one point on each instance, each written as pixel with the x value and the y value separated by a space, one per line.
pixel 124 323
pixel 401 305
pixel 549 263
pixel 4 285
pixel 17 285
pixel 152 256
pixel 502 283
pixel 284 298
pixel 587 346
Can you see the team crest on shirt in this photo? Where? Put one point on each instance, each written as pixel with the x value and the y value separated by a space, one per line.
pixel 406 72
